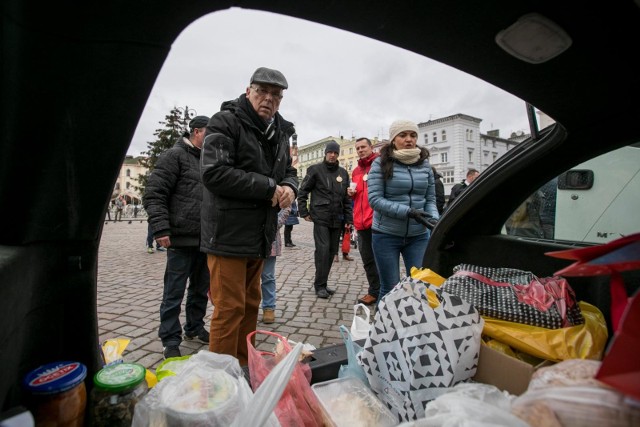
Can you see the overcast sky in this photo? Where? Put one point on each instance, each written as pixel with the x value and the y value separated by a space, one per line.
pixel 339 83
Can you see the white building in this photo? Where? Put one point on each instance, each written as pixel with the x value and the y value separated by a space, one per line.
pixel 456 145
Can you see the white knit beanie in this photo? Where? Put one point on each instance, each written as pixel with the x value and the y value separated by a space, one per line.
pixel 401 126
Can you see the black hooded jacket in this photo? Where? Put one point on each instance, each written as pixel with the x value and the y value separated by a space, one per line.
pixel 240 169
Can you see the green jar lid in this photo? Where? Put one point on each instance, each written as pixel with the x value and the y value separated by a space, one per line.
pixel 120 377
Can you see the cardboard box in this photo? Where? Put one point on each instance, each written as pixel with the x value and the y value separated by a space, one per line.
pixel 503 371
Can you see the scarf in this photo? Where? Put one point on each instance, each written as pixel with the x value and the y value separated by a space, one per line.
pixel 407 156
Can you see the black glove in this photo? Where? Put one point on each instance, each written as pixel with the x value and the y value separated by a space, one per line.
pixel 423 218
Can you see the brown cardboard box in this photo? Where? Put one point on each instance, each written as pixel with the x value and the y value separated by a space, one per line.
pixel 503 371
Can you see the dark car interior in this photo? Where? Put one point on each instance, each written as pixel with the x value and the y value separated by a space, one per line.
pixel 75 80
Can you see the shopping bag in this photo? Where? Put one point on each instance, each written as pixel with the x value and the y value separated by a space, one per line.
pixel 360 326
pixel 427 275
pixel 346 240
pixel 352 368
pixel 422 341
pixel 298 405
pixel 516 295
pixel 586 341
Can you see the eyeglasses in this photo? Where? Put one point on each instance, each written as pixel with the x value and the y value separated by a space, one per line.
pixel 277 95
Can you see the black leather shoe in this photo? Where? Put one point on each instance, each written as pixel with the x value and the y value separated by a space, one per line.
pixel 322 293
pixel 289 245
pixel 330 291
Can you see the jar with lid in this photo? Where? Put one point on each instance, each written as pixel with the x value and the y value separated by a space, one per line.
pixel 116 391
pixel 57 394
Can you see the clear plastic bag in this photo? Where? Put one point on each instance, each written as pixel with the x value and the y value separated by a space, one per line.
pixel 352 368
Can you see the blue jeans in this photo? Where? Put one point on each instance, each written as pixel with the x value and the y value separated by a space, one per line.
pixel 387 250
pixel 183 264
pixel 268 283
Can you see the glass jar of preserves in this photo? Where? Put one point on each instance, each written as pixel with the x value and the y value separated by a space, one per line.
pixel 116 391
pixel 57 394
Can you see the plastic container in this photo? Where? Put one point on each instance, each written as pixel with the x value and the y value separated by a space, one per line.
pixel 57 394
pixel 201 397
pixel 117 389
pixel 350 403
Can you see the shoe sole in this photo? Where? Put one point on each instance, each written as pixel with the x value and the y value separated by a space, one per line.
pixel 188 338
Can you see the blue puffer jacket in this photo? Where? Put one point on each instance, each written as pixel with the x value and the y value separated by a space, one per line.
pixel 412 186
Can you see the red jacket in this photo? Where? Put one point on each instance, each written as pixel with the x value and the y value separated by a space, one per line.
pixel 362 212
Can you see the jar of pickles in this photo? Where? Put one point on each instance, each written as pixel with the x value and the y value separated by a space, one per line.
pixel 57 394
pixel 116 391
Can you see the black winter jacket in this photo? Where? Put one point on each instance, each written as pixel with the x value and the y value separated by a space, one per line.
pixel 330 204
pixel 240 169
pixel 173 196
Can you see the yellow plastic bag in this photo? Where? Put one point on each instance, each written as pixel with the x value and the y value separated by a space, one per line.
pixel 586 341
pixel 427 275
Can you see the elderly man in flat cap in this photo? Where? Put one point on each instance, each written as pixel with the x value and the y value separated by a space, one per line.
pixel 248 177
pixel 330 207
pixel 173 199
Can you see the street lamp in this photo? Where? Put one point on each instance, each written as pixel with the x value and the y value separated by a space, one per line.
pixel 187 114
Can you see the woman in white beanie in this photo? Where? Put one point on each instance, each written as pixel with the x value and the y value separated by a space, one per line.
pixel 402 196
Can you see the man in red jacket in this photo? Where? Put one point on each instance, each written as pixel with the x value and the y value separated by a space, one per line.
pixel 363 217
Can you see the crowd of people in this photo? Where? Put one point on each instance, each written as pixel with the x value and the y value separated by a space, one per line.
pixel 217 200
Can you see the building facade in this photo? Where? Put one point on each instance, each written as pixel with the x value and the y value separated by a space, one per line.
pixel 456 145
pixel 127 182
pixel 454 142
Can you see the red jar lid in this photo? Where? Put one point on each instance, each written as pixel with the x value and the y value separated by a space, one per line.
pixel 55 377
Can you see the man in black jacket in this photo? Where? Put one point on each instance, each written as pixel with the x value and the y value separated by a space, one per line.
pixel 330 208
pixel 173 199
pixel 472 174
pixel 247 174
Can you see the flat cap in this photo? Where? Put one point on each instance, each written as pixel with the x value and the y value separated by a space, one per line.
pixel 270 77
pixel 198 122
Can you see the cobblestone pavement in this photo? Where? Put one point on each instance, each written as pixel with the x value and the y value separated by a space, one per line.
pixel 130 291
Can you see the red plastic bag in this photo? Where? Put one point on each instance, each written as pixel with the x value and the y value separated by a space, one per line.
pixel 346 241
pixel 298 405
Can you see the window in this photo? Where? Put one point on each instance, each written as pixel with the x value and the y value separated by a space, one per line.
pixel 444 135
pixel 443 158
pixel 128 185
pixel 593 202
pixel 469 135
pixel 350 150
pixel 470 156
pixel 128 172
pixel 426 138
pixel 447 177
pixel 435 137
pixel 495 156
pixel 493 143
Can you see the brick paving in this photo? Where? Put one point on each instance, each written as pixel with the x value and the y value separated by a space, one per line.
pixel 130 291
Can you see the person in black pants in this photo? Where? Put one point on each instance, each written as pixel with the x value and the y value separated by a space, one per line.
pixel 328 209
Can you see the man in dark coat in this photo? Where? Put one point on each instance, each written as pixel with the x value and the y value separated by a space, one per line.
pixel 173 199
pixel 472 174
pixel 248 177
pixel 329 209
